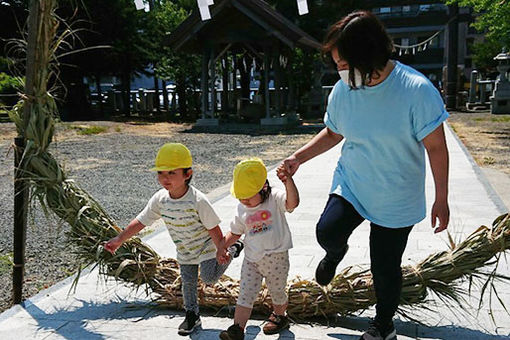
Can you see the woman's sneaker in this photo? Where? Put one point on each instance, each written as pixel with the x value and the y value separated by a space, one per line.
pixel 275 324
pixel 234 332
pixel 326 269
pixel 191 321
pixel 236 248
pixel 377 332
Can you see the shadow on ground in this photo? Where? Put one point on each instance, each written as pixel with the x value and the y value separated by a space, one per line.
pixel 84 322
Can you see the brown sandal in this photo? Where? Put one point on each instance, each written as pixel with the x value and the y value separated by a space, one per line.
pixel 275 324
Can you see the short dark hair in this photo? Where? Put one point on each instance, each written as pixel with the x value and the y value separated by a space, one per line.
pixel 362 41
pixel 185 171
pixel 265 191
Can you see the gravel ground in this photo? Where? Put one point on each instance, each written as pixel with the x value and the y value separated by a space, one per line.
pixel 112 167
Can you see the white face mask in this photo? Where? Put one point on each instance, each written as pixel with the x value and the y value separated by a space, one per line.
pixel 344 75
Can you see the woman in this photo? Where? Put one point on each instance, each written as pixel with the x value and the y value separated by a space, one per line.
pixel 388 114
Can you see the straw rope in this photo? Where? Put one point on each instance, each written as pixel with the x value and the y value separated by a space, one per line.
pixel 137 264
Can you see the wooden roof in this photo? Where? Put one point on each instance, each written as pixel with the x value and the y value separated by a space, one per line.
pixel 238 21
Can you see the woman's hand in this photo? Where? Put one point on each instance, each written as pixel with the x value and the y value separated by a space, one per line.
pixel 290 165
pixel 441 212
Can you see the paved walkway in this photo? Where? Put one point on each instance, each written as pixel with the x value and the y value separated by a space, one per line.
pixel 99 310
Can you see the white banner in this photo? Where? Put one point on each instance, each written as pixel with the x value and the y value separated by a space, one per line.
pixel 139 4
pixel 203 7
pixel 302 7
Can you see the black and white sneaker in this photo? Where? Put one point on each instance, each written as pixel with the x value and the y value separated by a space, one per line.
pixel 377 332
pixel 189 324
pixel 236 248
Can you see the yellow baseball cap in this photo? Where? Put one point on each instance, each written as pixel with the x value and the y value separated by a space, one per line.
pixel 172 156
pixel 249 178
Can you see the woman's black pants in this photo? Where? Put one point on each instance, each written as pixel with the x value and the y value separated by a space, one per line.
pixel 336 224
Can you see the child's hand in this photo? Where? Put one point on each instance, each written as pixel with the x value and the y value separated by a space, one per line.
pixel 222 256
pixel 283 174
pixel 112 245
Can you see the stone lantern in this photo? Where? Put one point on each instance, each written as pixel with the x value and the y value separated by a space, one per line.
pixel 500 99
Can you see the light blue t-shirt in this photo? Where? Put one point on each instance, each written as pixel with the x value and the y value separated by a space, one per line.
pixel 381 171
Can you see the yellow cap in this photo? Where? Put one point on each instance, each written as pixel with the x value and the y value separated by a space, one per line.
pixel 249 178
pixel 172 156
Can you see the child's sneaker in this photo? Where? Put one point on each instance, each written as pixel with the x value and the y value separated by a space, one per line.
pixel 377 332
pixel 234 332
pixel 189 324
pixel 275 324
pixel 236 248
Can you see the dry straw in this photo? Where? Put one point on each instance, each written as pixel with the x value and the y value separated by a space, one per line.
pixel 136 263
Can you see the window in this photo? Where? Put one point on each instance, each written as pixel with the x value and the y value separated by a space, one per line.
pixel 385 10
pixel 405 42
pixel 406 8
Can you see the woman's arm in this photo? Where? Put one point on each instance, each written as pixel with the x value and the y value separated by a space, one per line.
pixel 435 144
pixel 322 142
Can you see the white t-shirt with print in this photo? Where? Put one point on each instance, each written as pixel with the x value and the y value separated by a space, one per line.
pixel 187 220
pixel 264 226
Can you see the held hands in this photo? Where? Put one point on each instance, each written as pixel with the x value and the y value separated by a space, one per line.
pixel 441 212
pixel 290 164
pixel 112 245
pixel 222 256
pixel 283 174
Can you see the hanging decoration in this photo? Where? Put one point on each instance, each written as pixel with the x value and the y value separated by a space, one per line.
pixel 139 5
pixel 203 7
pixel 302 7
pixel 402 49
pixel 205 14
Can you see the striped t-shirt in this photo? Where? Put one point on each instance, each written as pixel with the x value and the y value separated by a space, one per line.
pixel 188 220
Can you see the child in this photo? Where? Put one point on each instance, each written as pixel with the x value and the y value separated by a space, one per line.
pixel 261 217
pixel 192 224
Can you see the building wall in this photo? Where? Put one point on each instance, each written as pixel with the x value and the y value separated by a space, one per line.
pixel 412 22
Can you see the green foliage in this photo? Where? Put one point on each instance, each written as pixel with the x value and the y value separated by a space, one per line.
pixel 9 84
pixel 493 18
pixel 484 53
pixel 171 65
pixel 89 130
pixel 6 263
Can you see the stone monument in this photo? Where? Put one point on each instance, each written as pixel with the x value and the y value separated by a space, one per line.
pixel 500 99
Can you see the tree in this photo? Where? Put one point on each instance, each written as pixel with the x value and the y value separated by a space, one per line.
pixel 114 23
pixel 493 18
pixel 181 68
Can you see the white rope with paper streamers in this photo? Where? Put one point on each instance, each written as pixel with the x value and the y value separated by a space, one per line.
pixel 139 5
pixel 203 7
pixel 205 14
pixel 416 47
pixel 302 7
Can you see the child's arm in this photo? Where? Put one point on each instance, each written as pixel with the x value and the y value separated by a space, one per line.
pixel 132 229
pixel 292 200
pixel 216 236
pixel 230 239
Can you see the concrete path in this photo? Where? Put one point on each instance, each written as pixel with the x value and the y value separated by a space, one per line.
pixel 107 310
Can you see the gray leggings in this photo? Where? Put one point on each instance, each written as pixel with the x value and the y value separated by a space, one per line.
pixel 210 272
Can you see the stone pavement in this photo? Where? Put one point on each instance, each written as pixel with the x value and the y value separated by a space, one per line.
pixel 108 310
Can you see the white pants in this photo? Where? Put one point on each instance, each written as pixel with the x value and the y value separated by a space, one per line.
pixel 274 268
